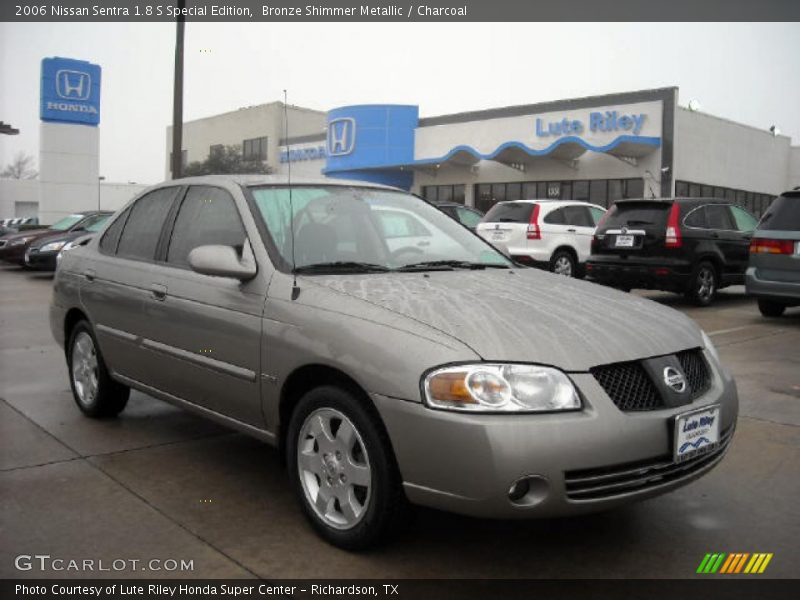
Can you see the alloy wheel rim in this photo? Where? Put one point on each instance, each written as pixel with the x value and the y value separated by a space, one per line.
pixel 563 266
pixel 334 468
pixel 84 368
pixel 705 284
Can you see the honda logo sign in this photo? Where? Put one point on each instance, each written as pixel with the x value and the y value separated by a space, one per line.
pixel 341 136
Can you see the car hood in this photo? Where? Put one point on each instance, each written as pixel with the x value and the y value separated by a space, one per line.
pixel 29 233
pixel 57 236
pixel 527 315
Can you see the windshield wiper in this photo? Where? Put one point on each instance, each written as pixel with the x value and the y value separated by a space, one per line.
pixel 448 265
pixel 341 266
pixel 638 222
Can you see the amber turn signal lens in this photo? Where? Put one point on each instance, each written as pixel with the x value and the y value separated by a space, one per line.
pixel 450 387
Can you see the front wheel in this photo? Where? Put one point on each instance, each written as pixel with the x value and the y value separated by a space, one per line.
pixel 94 391
pixel 770 308
pixel 341 467
pixel 703 285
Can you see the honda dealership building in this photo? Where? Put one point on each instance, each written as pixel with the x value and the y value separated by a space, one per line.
pixel 599 149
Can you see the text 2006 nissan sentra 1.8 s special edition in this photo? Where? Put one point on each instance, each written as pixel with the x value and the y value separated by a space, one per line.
pixel 389 352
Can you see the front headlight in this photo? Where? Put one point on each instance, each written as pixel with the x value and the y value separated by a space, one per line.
pixel 709 345
pixel 52 247
pixel 488 387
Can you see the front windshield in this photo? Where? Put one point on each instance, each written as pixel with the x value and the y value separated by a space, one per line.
pixel 96 224
pixel 66 222
pixel 368 229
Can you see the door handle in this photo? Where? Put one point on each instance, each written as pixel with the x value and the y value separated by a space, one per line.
pixel 158 291
pixel 89 274
pixel 714 235
pixel 423 244
pixel 571 230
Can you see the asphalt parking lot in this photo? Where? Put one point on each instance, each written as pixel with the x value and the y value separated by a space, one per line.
pixel 161 483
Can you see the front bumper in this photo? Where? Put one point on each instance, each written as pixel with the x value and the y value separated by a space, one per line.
pixel 466 463
pixel 45 261
pixel 782 291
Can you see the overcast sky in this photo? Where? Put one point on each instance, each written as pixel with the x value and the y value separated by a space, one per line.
pixel 745 72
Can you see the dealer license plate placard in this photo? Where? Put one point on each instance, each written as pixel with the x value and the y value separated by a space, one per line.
pixel 696 433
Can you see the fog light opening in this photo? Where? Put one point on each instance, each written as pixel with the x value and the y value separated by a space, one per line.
pixel 518 490
pixel 528 491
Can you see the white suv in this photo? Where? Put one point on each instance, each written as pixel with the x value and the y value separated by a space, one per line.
pixel 554 234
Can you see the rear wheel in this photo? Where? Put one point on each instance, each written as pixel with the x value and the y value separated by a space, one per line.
pixel 703 287
pixel 95 393
pixel 770 308
pixel 342 469
pixel 563 263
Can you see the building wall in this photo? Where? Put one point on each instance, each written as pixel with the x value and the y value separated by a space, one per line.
pixel 17 195
pixel 13 191
pixel 794 167
pixel 234 127
pixel 714 151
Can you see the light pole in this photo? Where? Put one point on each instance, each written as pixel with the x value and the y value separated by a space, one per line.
pixel 177 97
pixel 99 179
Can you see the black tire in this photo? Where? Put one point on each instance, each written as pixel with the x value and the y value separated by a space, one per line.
pixel 386 507
pixel 563 263
pixel 110 397
pixel 704 284
pixel 770 308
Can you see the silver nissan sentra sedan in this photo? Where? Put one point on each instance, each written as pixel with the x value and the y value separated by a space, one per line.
pixel 392 355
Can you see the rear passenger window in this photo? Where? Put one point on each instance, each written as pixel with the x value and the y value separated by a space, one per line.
pixel 744 220
pixel 143 227
pixel 208 216
pixel 718 217
pixel 696 218
pixel 577 216
pixel 556 217
pixel 110 240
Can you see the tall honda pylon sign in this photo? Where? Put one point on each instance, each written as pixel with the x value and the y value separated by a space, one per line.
pixel 69 137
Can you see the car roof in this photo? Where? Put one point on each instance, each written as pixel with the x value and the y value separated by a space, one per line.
pixel 550 202
pixel 682 200
pixel 254 180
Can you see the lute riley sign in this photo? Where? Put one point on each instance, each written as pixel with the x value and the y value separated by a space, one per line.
pixel 70 91
pixel 606 121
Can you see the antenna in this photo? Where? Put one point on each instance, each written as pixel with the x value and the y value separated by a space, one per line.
pixel 295 289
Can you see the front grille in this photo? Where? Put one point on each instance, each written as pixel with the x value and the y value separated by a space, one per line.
pixel 629 386
pixel 631 389
pixel 607 482
pixel 696 370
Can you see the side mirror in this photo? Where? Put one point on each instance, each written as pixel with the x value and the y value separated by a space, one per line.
pixel 223 261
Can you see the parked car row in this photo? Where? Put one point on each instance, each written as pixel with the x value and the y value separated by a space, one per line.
pixel 38 248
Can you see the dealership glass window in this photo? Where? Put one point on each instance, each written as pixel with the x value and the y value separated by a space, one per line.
pixel 514 191
pixel 695 191
pixel 143 228
pixel 255 149
pixel 444 193
pixel 208 215
pixel 598 192
pixel 751 201
pixel 681 188
pixel 498 192
pixel 580 191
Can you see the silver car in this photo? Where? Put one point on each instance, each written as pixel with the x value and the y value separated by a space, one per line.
pixel 773 273
pixel 392 355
